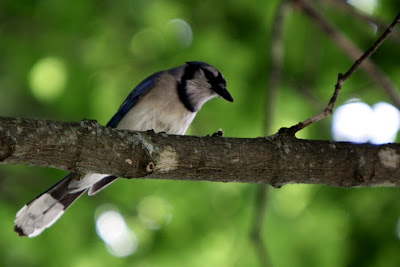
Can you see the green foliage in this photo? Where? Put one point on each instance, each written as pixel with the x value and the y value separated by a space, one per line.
pixel 88 55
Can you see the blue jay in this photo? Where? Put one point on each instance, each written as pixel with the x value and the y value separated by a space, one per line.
pixel 166 101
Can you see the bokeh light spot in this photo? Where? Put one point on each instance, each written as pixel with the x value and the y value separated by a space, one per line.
pixel 120 240
pixel 367 6
pixel 358 122
pixel 47 78
pixel 351 122
pixel 181 31
pixel 386 123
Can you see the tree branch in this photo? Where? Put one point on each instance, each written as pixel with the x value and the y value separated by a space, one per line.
pixel 364 58
pixel 276 160
pixel 369 67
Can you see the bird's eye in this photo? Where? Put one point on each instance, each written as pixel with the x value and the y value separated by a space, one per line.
pixel 209 75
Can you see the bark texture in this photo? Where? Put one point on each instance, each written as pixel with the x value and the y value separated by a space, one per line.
pixel 276 160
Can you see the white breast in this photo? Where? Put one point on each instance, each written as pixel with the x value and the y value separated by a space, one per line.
pixel 160 110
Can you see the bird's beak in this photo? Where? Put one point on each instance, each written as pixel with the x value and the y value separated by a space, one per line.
pixel 223 93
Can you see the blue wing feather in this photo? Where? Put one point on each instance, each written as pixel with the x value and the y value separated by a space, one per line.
pixel 140 90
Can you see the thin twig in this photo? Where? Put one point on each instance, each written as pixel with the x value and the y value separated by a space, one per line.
pixel 343 77
pixel 342 41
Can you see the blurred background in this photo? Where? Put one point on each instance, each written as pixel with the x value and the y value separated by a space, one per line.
pixel 68 61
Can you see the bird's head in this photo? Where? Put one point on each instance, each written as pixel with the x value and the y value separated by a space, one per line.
pixel 199 83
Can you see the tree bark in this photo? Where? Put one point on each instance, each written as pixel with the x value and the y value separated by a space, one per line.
pixel 276 160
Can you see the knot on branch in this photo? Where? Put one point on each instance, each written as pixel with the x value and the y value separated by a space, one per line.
pixel 341 77
pixel 283 139
pixel 290 132
pixel 150 167
pixel 220 133
pixel 328 111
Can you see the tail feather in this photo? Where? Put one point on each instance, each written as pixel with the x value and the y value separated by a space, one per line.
pixel 43 211
pixel 100 185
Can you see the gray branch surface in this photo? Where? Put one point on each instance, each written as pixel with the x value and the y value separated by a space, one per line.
pixel 276 160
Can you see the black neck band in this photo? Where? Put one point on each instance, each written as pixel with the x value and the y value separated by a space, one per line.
pixel 182 92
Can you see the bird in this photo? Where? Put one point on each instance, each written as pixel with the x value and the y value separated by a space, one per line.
pixel 166 101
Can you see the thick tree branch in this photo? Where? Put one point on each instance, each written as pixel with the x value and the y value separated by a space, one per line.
pixel 277 160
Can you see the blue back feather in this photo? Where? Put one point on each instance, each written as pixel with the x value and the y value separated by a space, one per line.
pixel 140 90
